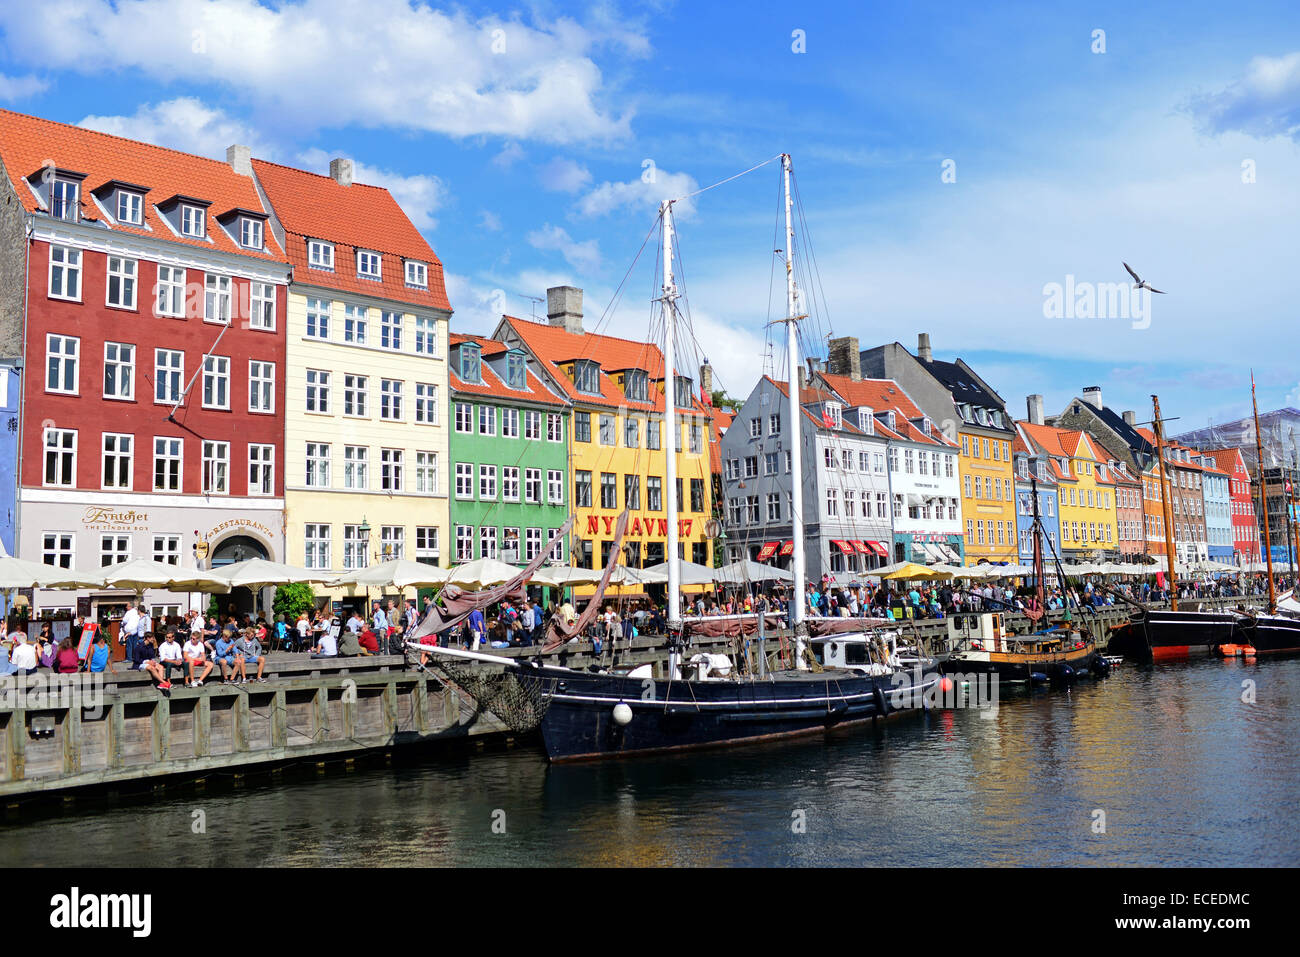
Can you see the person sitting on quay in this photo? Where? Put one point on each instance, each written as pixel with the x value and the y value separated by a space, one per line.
pixel 195 655
pixel 66 660
pixel 326 646
pixel 22 655
pixel 356 624
pixel 98 661
pixel 368 641
pixel 349 646
pixel 224 653
pixel 169 655
pixel 146 653
pixel 303 629
pixel 248 647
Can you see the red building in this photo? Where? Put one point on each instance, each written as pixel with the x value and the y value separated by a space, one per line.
pixel 152 319
pixel 1245 526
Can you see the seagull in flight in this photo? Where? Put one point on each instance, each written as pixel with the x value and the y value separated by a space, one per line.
pixel 1141 283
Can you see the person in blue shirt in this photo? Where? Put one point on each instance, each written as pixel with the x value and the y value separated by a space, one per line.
pixel 477 629
pixel 99 654
pixel 224 652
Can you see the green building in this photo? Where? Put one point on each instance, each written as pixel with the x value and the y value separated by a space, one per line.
pixel 509 455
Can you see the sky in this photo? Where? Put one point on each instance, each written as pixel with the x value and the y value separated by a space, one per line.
pixel 953 165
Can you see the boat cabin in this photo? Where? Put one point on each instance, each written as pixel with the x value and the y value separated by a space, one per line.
pixel 860 652
pixel 984 631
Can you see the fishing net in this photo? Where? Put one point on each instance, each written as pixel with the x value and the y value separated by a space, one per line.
pixel 519 704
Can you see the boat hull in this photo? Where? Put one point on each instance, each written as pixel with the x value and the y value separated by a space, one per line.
pixel 1172 635
pixel 581 723
pixel 1015 666
pixel 1269 634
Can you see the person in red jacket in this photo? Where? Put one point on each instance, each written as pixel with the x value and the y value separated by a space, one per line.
pixel 368 641
pixel 66 662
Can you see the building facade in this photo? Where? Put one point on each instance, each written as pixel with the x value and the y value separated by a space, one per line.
pixel 1129 513
pixel 1033 472
pixel 10 389
pixel 365 407
pixel 1085 492
pixel 509 455
pixel 1217 493
pixel 151 421
pixel 1241 506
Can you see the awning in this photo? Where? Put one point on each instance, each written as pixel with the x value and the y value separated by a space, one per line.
pixel 950 554
pixel 879 548
pixel 768 550
pixel 845 547
pixel 861 547
pixel 933 552
pixel 787 549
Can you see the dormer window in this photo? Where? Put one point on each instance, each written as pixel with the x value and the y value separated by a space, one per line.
pixel 515 370
pixel 250 232
pixel 890 421
pixel 65 199
pixel 636 386
pixel 469 363
pixel 866 420
pixel 320 254
pixel 834 415
pixel 417 274
pixel 193 221
pixel 586 376
pixel 683 392
pixel 130 208
pixel 368 264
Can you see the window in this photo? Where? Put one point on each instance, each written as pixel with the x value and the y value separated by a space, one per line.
pixel 121 282
pixel 464 480
pixel 368 264
pixel 192 221
pixel 426 403
pixel 356 458
pixel 608 490
pixel 320 254
pixel 250 232
pixel 216 461
pixel 354 324
pixel 61 353
pixel 487 483
pixel 318 391
pixel 61 457
pixel 167 464
pixel 510 423
pixel 697 439
pixel 261 305
pixel 318 318
pixel 318 464
pixel 832 502
pixel 510 483
pixel 65 273
pixel 908 465
pixel 464 543
pixel 632 491
pixel 130 207
pixel 554 427
pixel 554 487
pixel 582 488
pixel 586 376
pixel 426 336
pixel 751 463
pixel 607 436
pixel 582 426
pixel 464 417
pixel 636 386
pixel 261 469
pixel 65 199
pixel 532 543
pixel 426 544
pixel 216 298
pixel 487 542
pixel 652 434
pixel 697 495
pixel 532 425
pixel 216 382
pixel 117 461
pixel 654 487
pixel 417 274
pixel 390 399
pixel 354 549
pixel 774 506
pixel 168 372
pixel 487 420
pixel 119 371
pixel 390 469
pixel 169 299
pixel 261 386
pixel 56 549
pixel 533 486
pixel 390 330
pixel 631 433
pixel 771 464
pixel 317 538
pixel 114 549
pixel 392 542
pixel 354 395
pixel 755 428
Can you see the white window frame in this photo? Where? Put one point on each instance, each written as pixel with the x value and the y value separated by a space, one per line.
pixel 111 546
pixel 63 359
pixel 390 400
pixel 417 274
pixel 261 386
pixel 355 320
pixel 166 456
pixel 126 272
pixel 554 487
pixel 67 261
pixel 217 377
pixel 367 258
pixel 168 376
pixel 166 549
pixel 316 545
pixel 392 464
pixel 465 481
pixel 426 336
pixel 317 460
pixel 113 360
pixel 194 221
pixel 426 473
pixel 390 330
pixel 319 313
pixel 261 465
pixel 59 546
pixel 250 232
pixel 356 394
pixel 426 403
pixel 320 254
pixel 261 306
pixel 218 292
pixel 130 208
pixel 215 477
pixel 169 292
pixel 356 467
pixel 60 451
pixel 118 455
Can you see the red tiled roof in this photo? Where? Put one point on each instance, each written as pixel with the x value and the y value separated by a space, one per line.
pixel 1151 437
pixel 1228 460
pixel 493 385
pixel 882 395
pixel 28 142
pixel 554 346
pixel 312 206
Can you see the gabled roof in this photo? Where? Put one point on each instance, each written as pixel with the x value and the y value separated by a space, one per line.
pixel 885 395
pixel 810 396
pixel 1228 460
pixel 493 386
pixel 555 347
pixel 1177 463
pixel 355 217
pixel 28 142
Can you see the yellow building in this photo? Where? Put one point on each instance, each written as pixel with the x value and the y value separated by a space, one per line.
pixel 617 438
pixel 366 387
pixel 1085 492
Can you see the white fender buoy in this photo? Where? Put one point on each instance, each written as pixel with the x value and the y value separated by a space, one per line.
pixel 622 714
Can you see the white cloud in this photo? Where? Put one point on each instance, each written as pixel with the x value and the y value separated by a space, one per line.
pixel 489 221
pixel 334 63
pixel 20 87
pixel 564 176
pixel 646 191
pixel 510 154
pixel 420 195
pixel 1263 103
pixel 583 256
pixel 184 124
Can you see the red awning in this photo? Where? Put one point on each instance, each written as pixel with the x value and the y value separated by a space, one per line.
pixel 768 550
pixel 845 547
pixel 787 549
pixel 879 549
pixel 861 547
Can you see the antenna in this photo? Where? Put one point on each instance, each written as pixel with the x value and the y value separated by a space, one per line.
pixel 532 306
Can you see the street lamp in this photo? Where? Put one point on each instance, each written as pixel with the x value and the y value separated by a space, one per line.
pixel 364 531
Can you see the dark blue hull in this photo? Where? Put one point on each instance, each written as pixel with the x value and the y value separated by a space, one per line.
pixel 580 722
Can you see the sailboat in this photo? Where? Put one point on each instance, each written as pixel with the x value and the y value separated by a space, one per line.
pixel 701 702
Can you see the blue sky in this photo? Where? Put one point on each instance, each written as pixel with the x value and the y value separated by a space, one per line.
pixel 515 136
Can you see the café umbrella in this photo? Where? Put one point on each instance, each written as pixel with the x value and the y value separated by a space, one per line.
pixel 399 573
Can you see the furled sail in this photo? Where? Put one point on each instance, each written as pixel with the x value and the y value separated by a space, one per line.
pixel 558 631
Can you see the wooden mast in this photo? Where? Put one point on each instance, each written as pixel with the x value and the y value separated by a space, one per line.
pixel 1164 504
pixel 1263 498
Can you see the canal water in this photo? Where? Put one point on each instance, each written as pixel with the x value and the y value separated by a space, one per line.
pixel 1160 767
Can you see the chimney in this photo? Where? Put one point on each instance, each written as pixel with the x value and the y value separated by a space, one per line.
pixel 706 379
pixel 1092 395
pixel 923 348
pixel 341 170
pixel 564 308
pixel 1130 418
pixel 814 367
pixel 1035 406
pixel 843 358
pixel 240 159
